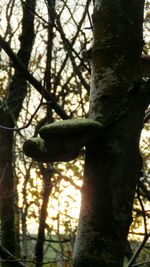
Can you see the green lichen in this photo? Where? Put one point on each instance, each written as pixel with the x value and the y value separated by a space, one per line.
pixel 37 149
pixel 74 132
pixel 62 141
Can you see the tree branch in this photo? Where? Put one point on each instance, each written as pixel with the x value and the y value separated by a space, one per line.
pixel 146 235
pixel 147 116
pixel 145 66
pixel 35 83
pixel 8 257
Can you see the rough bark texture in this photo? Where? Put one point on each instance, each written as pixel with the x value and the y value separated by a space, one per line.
pixel 113 161
pixel 9 112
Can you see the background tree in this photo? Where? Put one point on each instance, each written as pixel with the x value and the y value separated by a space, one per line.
pixel 10 107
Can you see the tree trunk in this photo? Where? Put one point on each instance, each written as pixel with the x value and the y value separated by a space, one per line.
pixel 113 161
pixel 9 112
pixel 39 248
pixel 7 193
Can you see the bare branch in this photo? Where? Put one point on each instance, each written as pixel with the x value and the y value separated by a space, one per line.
pixel 146 236
pixel 8 257
pixel 31 79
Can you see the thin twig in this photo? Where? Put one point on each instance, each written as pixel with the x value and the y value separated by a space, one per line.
pixel 31 79
pixel 146 236
pixel 8 257
pixel 27 124
pixel 140 263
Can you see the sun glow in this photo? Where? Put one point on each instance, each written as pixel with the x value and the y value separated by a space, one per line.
pixel 64 201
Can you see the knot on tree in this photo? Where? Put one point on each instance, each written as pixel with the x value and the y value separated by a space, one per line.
pixel 62 140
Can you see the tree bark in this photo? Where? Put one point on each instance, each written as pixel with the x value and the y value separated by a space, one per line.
pixel 9 112
pixel 113 161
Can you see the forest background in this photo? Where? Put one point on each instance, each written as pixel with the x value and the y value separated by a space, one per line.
pixel 40 202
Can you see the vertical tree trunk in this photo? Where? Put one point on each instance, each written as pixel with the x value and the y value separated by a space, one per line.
pixel 113 161
pixel 7 194
pixel 46 171
pixel 9 112
pixel 39 249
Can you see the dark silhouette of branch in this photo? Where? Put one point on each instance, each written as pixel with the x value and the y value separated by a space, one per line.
pixel 136 254
pixel 8 257
pixel 147 116
pixel 146 236
pixel 142 209
pixel 79 26
pixel 145 191
pixel 145 65
pixel 141 263
pixel 27 124
pixel 35 83
pixel 39 248
pixel 69 48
